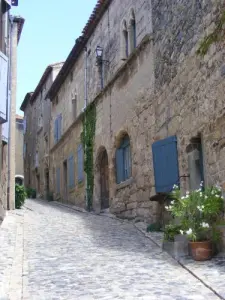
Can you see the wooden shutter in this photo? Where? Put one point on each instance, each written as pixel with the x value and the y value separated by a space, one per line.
pixel 3 87
pixel 56 131
pixel 80 163
pixel 119 166
pixel 59 126
pixel 165 161
pixel 71 180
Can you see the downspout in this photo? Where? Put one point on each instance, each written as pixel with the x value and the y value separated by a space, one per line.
pixel 11 18
pixel 85 106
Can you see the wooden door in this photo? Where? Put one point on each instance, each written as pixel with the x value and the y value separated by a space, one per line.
pixel 104 178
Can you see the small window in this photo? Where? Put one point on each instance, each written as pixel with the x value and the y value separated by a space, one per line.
pixel 123 160
pixel 124 41
pixel 133 34
pixel 74 106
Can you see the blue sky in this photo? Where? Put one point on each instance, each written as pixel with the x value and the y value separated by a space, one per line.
pixel 50 30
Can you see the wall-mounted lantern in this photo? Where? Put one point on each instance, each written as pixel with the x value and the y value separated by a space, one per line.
pixel 99 54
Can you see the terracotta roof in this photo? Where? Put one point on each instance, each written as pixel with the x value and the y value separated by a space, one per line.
pixel 79 46
pixel 19 117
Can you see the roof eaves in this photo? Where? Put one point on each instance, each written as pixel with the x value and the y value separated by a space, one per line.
pixel 25 101
pixel 20 21
pixel 90 26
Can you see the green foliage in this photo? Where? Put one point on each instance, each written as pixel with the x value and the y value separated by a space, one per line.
pixel 197 211
pixel 87 139
pixel 31 193
pixel 214 37
pixel 171 231
pixel 20 195
pixel 154 227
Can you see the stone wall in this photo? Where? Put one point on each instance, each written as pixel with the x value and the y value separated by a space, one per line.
pixel 67 146
pixel 19 148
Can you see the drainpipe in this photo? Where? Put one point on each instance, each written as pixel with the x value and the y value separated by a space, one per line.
pixel 8 110
pixel 85 106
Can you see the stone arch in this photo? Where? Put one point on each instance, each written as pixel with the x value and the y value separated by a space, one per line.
pixel 101 192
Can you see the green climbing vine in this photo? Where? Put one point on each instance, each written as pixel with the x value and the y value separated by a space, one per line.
pixel 87 140
pixel 213 37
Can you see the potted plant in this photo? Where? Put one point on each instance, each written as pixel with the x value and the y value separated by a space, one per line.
pixel 198 212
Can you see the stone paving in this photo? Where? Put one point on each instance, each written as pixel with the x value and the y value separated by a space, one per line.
pixel 63 254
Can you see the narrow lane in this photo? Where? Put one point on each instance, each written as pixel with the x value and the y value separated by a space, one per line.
pixel 72 255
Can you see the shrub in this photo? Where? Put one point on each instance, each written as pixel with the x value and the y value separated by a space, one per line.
pixel 31 193
pixel 20 195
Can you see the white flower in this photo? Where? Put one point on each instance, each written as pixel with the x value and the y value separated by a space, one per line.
pixel 205 225
pixel 203 206
pixel 187 193
pixel 189 231
pixel 206 197
pixel 201 184
pixel 200 194
pixel 217 196
pixel 183 197
pixel 199 208
pixel 175 187
pixel 166 207
pixel 181 231
pixel 172 202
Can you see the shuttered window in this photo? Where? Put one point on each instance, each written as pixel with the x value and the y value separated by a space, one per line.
pixel 165 162
pixel 71 181
pixel 80 163
pixel 58 180
pixel 123 161
pixel 58 128
pixel 3 87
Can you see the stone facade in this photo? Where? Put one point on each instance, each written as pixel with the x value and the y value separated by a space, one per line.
pixel 37 114
pixel 9 34
pixel 161 89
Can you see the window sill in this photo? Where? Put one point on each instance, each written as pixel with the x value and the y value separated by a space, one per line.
pixel 124 184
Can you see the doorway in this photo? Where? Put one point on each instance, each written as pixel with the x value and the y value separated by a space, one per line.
pixel 65 170
pixel 47 183
pixel 104 180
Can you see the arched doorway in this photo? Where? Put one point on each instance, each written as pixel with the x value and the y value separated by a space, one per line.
pixel 104 179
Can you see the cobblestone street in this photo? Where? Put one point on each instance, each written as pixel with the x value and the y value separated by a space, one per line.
pixel 64 254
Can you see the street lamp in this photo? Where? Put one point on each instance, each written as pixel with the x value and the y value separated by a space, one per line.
pixel 99 54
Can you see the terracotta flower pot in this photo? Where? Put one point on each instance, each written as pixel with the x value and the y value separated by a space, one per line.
pixel 201 251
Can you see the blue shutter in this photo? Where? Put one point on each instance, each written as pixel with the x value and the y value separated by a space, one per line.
pixel 80 163
pixel 59 126
pixel 165 162
pixel 56 131
pixel 119 166
pixel 71 180
pixel 3 87
pixel 58 180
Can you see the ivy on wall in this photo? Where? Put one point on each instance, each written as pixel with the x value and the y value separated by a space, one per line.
pixel 87 140
pixel 213 37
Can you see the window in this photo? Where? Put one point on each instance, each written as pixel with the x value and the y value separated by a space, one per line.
pixel 24 125
pixel 80 163
pixel 123 160
pixel 165 163
pixel 71 181
pixel 132 31
pixel 58 128
pixel 74 106
pixel 24 150
pixel 58 180
pixel 124 41
pixel 36 160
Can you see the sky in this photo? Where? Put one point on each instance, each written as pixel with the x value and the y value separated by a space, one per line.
pixel 49 33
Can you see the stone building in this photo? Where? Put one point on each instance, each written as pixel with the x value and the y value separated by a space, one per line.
pixel 19 177
pixel 37 114
pixel 10 32
pixel 157 107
